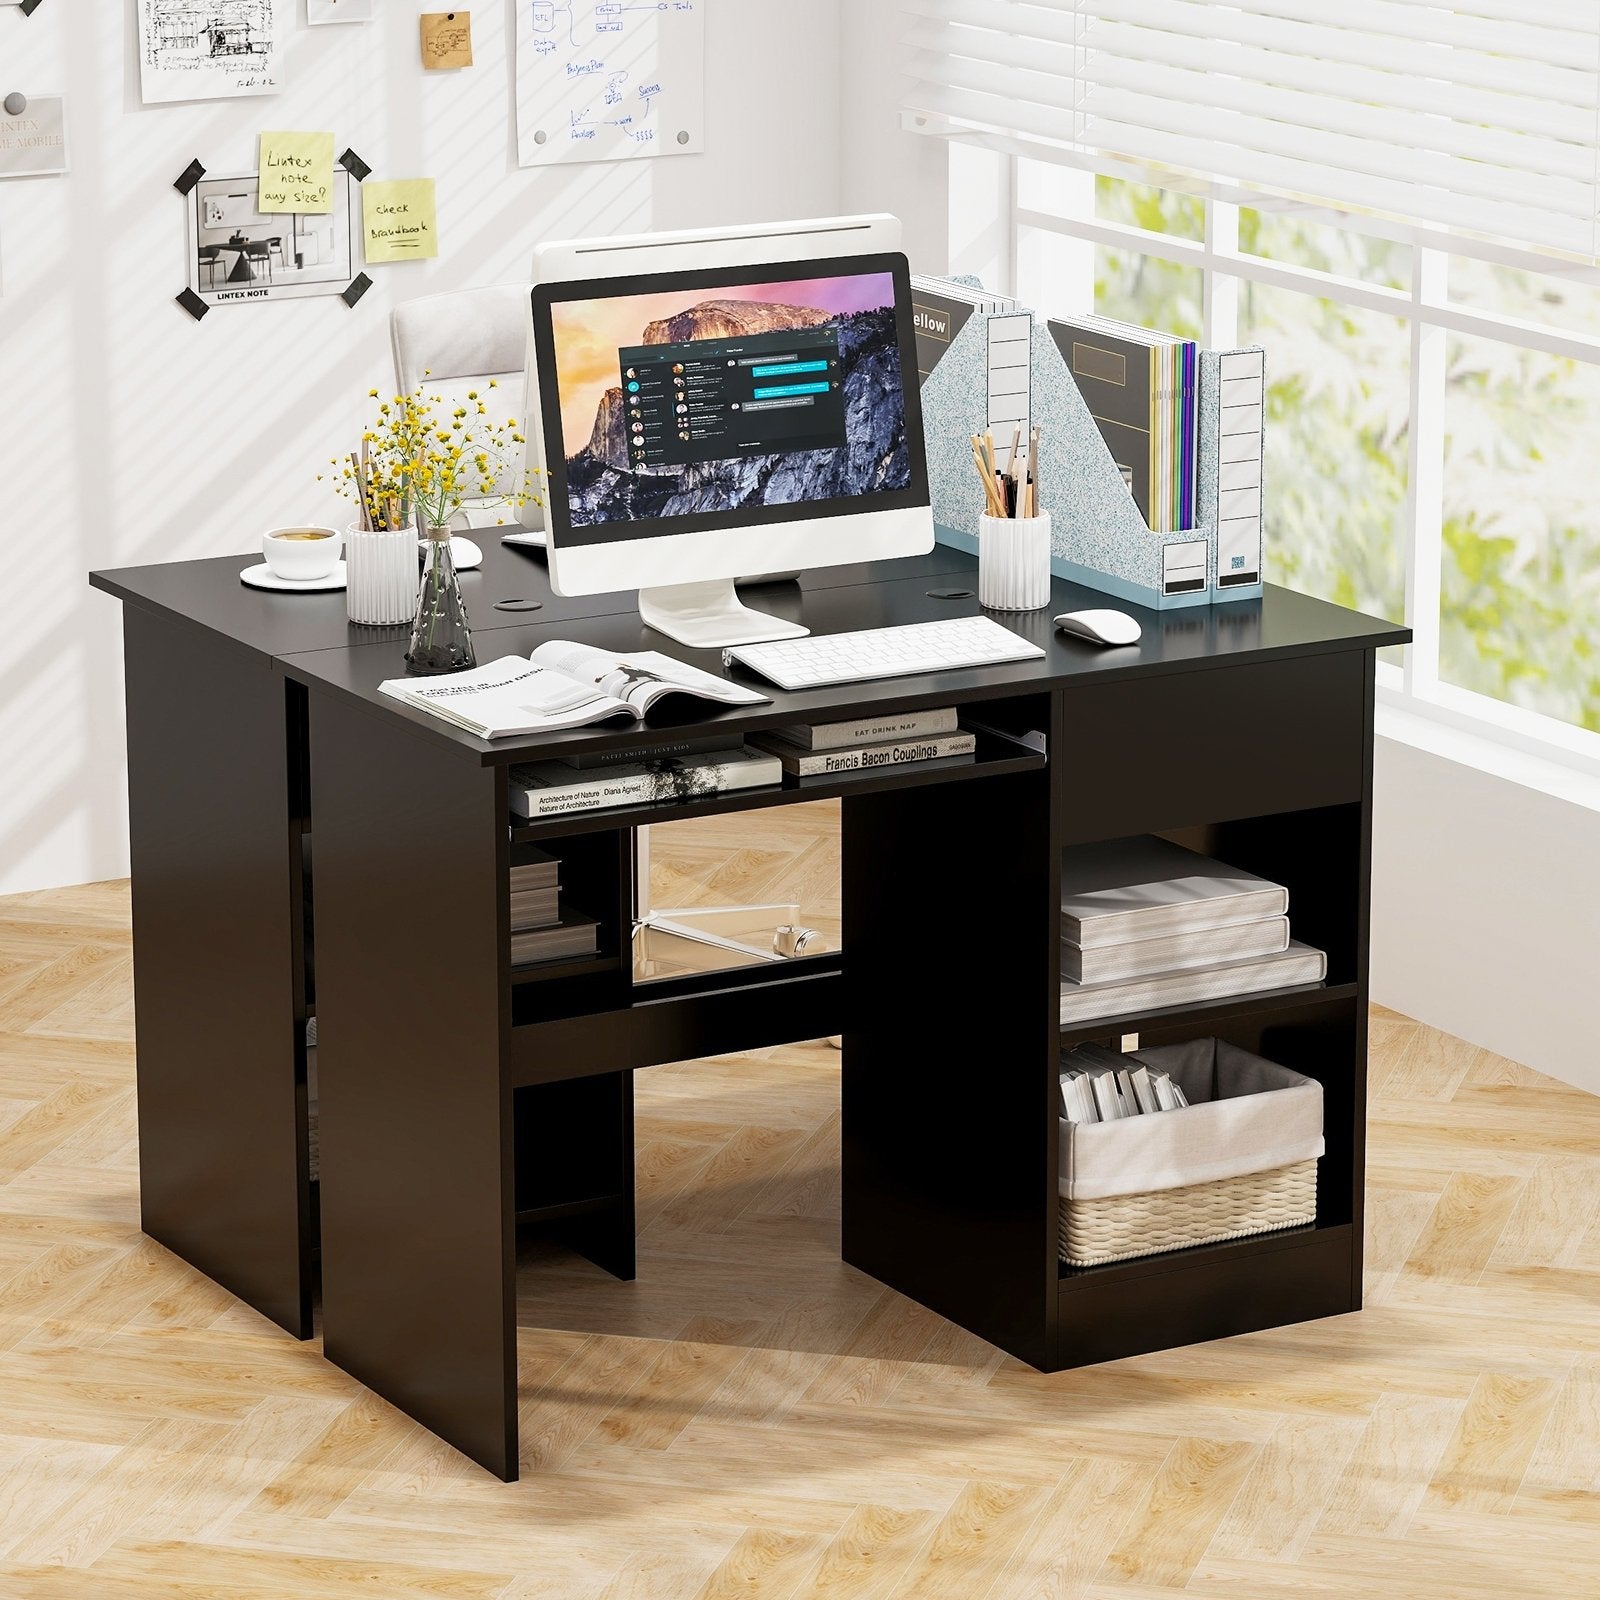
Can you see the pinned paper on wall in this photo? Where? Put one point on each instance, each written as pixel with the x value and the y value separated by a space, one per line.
pixel 207 49
pixel 401 221
pixel 296 172
pixel 33 139
pixel 604 80
pixel 446 40
pixel 241 254
pixel 338 11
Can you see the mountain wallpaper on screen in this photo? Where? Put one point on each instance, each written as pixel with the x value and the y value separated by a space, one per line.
pixel 602 487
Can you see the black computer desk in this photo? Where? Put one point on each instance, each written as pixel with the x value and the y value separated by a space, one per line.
pixel 459 1097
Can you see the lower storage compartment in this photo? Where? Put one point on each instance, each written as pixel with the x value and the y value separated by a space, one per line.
pixel 1239 1159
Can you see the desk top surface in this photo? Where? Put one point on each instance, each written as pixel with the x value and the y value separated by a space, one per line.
pixel 308 637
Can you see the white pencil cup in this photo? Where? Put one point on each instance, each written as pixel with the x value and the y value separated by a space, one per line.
pixel 1014 562
pixel 382 575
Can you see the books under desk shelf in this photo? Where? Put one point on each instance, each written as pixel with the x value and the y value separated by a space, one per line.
pixel 994 756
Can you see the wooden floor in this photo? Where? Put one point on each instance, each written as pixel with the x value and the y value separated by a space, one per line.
pixel 753 1418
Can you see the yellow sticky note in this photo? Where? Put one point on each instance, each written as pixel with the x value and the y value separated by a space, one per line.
pixel 296 172
pixel 400 219
pixel 446 39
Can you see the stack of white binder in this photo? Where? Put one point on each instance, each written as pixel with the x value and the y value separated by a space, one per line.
pixel 1146 923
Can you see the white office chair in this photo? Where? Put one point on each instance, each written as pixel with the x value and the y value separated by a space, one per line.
pixel 457 342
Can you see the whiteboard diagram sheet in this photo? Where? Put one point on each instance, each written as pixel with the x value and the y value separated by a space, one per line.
pixel 207 49
pixel 609 80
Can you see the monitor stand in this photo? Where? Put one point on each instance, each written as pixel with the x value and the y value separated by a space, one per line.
pixel 706 616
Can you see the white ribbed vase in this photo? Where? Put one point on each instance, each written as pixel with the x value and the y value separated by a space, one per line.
pixel 1014 562
pixel 382 574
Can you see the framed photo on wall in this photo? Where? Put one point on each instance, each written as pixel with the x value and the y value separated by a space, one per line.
pixel 239 254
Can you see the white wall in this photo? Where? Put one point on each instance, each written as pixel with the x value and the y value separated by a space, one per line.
pixel 883 168
pixel 130 433
pixel 1486 901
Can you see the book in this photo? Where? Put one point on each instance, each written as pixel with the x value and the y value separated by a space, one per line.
pixel 1300 963
pixel 1144 1090
pixel 535 908
pixel 1077 1099
pixel 536 870
pixel 1169 1097
pixel 1146 887
pixel 940 309
pixel 575 935
pixel 561 685
pixel 551 788
pixel 660 750
pixel 1172 952
pixel 1141 387
pixel 1108 1102
pixel 867 730
pixel 896 753
pixel 1130 1101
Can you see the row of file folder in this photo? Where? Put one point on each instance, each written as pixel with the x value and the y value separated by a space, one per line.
pixel 1142 388
pixel 1166 512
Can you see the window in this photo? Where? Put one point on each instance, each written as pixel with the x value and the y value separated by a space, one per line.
pixel 1432 419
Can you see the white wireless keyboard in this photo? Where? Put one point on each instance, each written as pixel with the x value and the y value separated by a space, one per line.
pixel 822 659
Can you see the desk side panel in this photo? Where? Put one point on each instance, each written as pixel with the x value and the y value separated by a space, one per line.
pixel 413 1016
pixel 218 964
pixel 949 1075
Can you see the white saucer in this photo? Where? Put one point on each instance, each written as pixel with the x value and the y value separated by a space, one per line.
pixel 261 576
pixel 463 552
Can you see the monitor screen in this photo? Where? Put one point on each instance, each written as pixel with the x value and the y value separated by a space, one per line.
pixel 684 401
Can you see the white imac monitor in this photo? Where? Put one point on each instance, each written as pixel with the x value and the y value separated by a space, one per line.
pixel 706 405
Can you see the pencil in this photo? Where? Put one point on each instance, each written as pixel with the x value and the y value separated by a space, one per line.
pixel 991 495
pixel 991 476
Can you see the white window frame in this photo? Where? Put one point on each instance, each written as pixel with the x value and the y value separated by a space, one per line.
pixel 990 233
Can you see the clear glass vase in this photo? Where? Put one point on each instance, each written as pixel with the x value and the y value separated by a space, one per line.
pixel 441 640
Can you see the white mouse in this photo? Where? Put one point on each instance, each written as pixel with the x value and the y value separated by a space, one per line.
pixel 1100 627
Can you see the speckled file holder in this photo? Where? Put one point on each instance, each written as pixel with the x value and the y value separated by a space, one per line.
pixel 1098 536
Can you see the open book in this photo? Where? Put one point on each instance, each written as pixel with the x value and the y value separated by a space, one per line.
pixel 561 685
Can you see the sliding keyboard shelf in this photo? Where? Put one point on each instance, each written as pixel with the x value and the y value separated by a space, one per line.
pixel 1297 997
pixel 993 758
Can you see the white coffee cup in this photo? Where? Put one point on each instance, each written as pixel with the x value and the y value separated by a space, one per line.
pixel 302 553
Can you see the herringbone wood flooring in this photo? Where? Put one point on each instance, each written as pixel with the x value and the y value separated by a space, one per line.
pixel 753 1418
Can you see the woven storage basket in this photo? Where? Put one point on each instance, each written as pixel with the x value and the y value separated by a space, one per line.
pixel 1249 1140
pixel 1125 1225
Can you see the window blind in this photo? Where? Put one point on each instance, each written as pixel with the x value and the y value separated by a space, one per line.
pixel 1477 119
